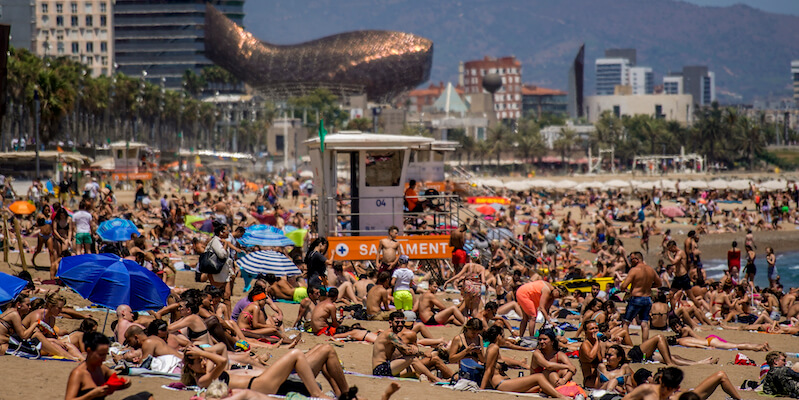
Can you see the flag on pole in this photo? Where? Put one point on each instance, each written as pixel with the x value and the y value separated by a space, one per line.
pixel 322 133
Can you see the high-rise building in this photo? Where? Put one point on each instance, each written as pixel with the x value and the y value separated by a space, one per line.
pixel 699 83
pixel 629 54
pixel 18 14
pixel 795 76
pixel 672 84
pixel 642 80
pixel 165 38
pixel 81 31
pixel 611 72
pixel 576 80
pixel 508 99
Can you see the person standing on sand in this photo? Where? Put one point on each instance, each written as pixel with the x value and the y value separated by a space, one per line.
pixel 456 241
pixel 681 282
pixel 733 257
pixel 641 279
pixel 388 251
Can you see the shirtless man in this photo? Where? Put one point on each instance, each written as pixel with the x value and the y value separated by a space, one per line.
pixel 280 288
pixel 690 248
pixel 457 240
pixel 307 305
pixel 124 321
pixel 600 231
pixel 364 282
pixel 378 300
pixel 681 282
pixel 149 345
pixel 323 317
pixel 641 279
pixel 388 251
pixel 387 342
pixel 428 303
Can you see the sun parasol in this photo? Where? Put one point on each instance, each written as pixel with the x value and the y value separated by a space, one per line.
pixel 22 207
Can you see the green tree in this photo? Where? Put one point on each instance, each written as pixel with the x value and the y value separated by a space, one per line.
pixel 564 144
pixel 529 142
pixel 499 137
pixel 325 103
pixel 193 83
pixel 360 124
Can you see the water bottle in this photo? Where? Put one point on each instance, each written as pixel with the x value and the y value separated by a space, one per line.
pixel 794 355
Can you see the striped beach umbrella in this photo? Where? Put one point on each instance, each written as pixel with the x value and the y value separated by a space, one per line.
pixel 268 262
pixel 265 236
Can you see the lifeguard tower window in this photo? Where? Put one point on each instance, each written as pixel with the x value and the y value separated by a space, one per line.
pixel 383 168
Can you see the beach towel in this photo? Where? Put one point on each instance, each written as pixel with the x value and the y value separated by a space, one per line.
pixel 380 377
pixel 286 301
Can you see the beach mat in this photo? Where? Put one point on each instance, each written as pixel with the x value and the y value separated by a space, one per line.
pixel 380 377
pixel 32 357
pixel 286 301
pixel 452 387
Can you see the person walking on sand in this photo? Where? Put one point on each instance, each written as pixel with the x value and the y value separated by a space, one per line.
pixel 641 279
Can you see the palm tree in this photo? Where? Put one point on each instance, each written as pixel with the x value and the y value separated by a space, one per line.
pixel 498 137
pixel 193 83
pixel 529 142
pixel 55 97
pixel 564 144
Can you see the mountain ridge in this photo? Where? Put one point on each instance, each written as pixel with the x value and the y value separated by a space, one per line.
pixel 748 49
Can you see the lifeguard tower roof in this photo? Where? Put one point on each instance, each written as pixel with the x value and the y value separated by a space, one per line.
pixel 357 140
pixel 131 145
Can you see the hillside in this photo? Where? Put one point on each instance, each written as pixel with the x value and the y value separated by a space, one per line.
pixel 749 50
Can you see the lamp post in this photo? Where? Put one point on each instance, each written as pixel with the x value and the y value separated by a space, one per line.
pixel 36 129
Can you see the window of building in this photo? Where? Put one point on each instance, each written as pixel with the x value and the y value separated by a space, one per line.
pixel 60 47
pixel 103 20
pixel 89 20
pixel 75 48
pixel 104 71
pixel 88 34
pixel 45 20
pixel 73 7
pixel 60 36
pixel 617 111
pixel 90 47
pixel 104 60
pixel 103 47
pixel 59 20
pixel 44 8
pixel 383 168
pixel 659 111
pixel 74 20
pixel 87 7
pixel 481 133
pixel 103 7
pixel 89 60
pixel 59 7
pixel 474 71
pixel 482 72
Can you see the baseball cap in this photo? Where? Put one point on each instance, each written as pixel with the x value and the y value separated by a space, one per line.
pixel 403 259
pixel 410 316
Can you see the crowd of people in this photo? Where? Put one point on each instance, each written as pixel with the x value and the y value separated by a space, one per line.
pixel 508 292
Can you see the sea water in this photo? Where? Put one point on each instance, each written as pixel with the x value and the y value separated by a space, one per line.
pixel 787 268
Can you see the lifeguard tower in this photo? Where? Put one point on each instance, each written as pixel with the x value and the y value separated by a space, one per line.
pixel 131 160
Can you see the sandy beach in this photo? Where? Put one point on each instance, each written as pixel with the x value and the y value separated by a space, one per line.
pixel 36 379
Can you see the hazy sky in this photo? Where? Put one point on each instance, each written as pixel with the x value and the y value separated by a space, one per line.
pixel 775 6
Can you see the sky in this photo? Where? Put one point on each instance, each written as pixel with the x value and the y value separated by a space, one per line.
pixel 774 6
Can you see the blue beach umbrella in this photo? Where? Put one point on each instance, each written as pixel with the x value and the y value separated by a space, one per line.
pixel 265 236
pixel 110 281
pixel 268 262
pixel 10 287
pixel 117 230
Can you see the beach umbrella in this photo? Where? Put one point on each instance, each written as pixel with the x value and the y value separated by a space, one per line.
pixel 718 184
pixel 117 230
pixel 617 184
pixel 588 185
pixel 10 287
pixel 542 184
pixel 739 184
pixel 518 186
pixel 565 184
pixel 110 281
pixel 499 234
pixel 268 262
pixel 265 235
pixel 296 235
pixel 22 207
pixel 306 174
pixel 485 209
pixel 672 212
pixel 774 185
pixel 694 184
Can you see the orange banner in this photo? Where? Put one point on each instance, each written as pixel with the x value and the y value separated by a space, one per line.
pixel 416 247
pixel 121 176
pixel 489 200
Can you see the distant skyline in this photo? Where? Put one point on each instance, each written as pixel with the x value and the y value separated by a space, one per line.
pixel 774 6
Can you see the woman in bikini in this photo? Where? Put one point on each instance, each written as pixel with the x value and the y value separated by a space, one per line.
pixel 657 349
pixel 64 232
pixel 90 379
pixel 44 236
pixel 191 324
pixel 76 337
pixel 254 322
pixel 471 276
pixel 495 378
pixel 592 310
pixel 615 374
pixel 547 359
pixel 11 322
pixel 468 344
pixel 688 338
pixel 203 367
pixel 45 318
pixel 592 351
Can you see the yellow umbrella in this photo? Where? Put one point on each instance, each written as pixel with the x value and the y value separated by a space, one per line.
pixel 22 207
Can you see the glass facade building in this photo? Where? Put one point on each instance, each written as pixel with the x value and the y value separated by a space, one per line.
pixel 165 38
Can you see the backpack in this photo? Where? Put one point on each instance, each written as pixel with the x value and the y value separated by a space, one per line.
pixel 471 370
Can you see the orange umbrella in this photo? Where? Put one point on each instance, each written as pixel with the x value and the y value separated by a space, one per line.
pixel 486 210
pixel 22 207
pixel 252 186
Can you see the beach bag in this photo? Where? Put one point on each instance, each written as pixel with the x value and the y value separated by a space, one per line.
pixel 471 370
pixel 30 348
pixel 209 263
